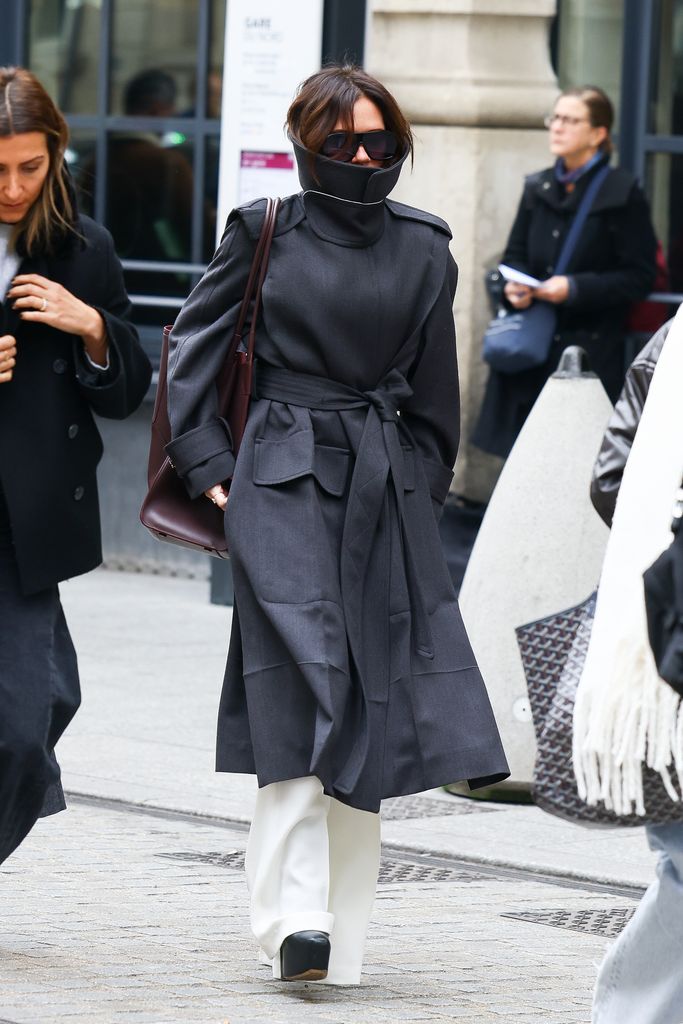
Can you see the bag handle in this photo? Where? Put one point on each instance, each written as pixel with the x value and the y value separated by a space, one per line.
pixel 584 209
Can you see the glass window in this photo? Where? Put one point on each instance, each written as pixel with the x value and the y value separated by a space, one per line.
pixel 214 78
pixel 210 197
pixel 63 51
pixel 590 36
pixel 666 107
pixel 80 157
pixel 665 186
pixel 154 65
pixel 149 196
pixel 144 192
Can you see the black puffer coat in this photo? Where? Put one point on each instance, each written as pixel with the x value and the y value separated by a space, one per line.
pixel 613 266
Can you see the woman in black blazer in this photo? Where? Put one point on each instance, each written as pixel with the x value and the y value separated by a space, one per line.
pixel 613 266
pixel 66 350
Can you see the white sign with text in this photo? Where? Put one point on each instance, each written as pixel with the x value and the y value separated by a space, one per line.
pixel 270 47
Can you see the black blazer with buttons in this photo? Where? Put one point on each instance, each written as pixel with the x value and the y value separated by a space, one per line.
pixel 49 443
pixel 613 266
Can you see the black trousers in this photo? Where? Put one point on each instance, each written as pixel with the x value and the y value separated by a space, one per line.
pixel 39 695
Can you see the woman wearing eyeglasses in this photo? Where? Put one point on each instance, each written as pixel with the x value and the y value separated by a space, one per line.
pixel 349 677
pixel 612 267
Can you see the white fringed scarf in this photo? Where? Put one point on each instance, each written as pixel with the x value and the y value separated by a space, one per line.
pixel 625 715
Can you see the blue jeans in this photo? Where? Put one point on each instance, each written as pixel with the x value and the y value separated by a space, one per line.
pixel 641 978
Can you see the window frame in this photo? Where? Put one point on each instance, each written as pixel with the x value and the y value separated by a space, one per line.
pixel 636 143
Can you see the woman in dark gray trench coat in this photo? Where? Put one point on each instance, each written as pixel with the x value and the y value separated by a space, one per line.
pixel 67 350
pixel 350 677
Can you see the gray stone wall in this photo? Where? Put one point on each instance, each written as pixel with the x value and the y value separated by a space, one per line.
pixel 474 77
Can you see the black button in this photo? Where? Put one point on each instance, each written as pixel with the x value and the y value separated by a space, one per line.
pixel 556 337
pixel 556 233
pixel 78 493
pixel 549 269
pixel 60 365
pixel 72 431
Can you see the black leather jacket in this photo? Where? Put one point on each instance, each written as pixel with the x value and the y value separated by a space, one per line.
pixel 622 426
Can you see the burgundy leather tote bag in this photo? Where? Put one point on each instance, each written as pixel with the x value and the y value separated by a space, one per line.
pixel 168 511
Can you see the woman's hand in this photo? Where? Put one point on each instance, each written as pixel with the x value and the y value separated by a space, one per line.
pixel 218 495
pixel 46 302
pixel 8 357
pixel 518 295
pixel 555 289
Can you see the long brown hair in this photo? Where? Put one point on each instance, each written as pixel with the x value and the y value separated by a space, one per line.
pixel 328 97
pixel 25 106
pixel 600 110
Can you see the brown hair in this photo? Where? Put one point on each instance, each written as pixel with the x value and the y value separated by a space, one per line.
pixel 25 106
pixel 600 110
pixel 328 97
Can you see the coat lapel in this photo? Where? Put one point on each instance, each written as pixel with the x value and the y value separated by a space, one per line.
pixel 11 322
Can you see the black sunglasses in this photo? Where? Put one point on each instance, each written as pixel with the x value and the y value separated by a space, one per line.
pixel 379 145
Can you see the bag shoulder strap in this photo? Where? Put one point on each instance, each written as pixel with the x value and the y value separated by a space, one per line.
pixel 584 209
pixel 257 273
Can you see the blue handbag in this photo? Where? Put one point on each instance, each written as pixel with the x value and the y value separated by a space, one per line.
pixel 516 341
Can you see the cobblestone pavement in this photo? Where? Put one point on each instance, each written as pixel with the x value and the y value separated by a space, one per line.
pixel 116 915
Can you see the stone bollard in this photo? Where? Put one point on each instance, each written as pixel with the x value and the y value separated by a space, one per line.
pixel 540 546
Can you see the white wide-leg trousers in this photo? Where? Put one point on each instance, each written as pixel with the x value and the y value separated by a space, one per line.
pixel 312 864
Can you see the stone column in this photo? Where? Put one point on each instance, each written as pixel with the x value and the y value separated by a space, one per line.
pixel 474 78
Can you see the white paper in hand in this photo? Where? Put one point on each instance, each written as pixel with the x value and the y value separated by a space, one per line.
pixel 518 276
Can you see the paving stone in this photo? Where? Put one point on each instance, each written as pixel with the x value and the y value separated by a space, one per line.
pixel 104 922
pixel 147 950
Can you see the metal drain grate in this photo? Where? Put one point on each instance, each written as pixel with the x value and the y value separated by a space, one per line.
pixel 391 870
pixel 399 808
pixel 404 871
pixel 606 923
pixel 233 859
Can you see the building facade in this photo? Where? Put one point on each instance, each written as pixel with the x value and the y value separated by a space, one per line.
pixel 140 82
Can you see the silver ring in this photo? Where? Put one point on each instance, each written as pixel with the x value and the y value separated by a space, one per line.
pixel 44 305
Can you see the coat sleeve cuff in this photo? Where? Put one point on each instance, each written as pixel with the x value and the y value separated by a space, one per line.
pixel 90 374
pixel 439 478
pixel 216 470
pixel 573 291
pixel 203 456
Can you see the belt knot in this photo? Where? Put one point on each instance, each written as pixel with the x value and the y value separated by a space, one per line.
pixel 388 394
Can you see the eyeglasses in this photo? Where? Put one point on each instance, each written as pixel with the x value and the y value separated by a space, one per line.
pixel 379 145
pixel 563 119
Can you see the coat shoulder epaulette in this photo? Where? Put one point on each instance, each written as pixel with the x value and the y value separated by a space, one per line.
pixel 251 214
pixel 412 213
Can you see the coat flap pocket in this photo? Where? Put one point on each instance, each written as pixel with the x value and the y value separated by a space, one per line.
pixel 276 462
pixel 331 468
pixel 408 467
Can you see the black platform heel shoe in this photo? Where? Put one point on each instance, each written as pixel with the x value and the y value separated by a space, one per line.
pixel 304 956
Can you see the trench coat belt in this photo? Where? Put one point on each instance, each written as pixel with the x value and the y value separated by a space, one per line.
pixel 379 466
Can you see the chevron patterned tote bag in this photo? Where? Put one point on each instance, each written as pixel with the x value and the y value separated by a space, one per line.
pixel 553 651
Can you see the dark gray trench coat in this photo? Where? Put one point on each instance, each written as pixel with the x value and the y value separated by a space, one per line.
pixel 348 658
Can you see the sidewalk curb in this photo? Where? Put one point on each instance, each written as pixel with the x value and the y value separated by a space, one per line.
pixel 541 872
